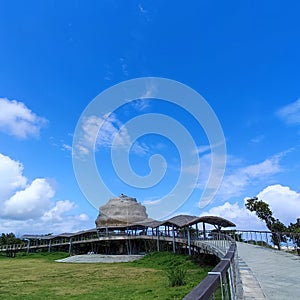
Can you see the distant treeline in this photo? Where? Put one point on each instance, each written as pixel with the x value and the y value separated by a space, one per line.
pixel 9 239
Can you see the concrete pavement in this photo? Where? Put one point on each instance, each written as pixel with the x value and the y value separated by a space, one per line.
pixel 99 258
pixel 269 274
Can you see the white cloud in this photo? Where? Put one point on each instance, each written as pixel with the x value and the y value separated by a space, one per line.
pixel 18 120
pixel 244 219
pixel 235 183
pixel 290 113
pixel 284 202
pixel 30 207
pixel 56 213
pixel 11 177
pixel 29 203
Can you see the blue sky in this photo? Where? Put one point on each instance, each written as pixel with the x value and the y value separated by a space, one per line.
pixel 55 58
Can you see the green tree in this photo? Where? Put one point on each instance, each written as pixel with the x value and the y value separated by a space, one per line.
pixel 264 213
pixel 9 239
pixel 294 229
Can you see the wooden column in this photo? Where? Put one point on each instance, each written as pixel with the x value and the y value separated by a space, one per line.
pixel 158 249
pixel 204 233
pixel 189 240
pixel 174 248
pixel 28 245
pixel 70 246
pixel 49 246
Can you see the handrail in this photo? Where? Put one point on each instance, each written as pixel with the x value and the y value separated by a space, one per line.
pixel 224 275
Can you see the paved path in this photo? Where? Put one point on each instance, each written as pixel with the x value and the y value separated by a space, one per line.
pixel 269 274
pixel 99 258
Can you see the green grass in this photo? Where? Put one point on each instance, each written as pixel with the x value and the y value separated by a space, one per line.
pixel 38 276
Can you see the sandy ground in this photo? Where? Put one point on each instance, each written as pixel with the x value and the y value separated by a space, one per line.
pixel 99 258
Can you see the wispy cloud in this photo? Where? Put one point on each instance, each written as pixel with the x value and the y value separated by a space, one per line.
pixel 140 148
pixel 151 202
pixel 290 113
pixel 18 120
pixel 66 147
pixel 141 8
pixel 150 90
pixel 108 73
pixel 143 12
pixel 257 139
pixel 235 183
pixel 124 66
pixel 203 149
pixel 237 178
pixel 106 132
pixel 140 105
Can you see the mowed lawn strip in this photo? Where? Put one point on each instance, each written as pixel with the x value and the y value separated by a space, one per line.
pixel 38 276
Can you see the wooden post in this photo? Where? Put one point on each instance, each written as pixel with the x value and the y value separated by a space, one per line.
pixel 70 246
pixel 158 242
pixel 189 240
pixel 204 233
pixel 28 245
pixel 174 248
pixel 197 231
pixel 49 246
pixel 129 244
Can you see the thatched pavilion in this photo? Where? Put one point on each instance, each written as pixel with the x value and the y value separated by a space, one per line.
pixel 125 216
pixel 123 227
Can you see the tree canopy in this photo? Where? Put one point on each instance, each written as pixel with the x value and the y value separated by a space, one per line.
pixel 278 229
pixel 264 213
pixel 9 239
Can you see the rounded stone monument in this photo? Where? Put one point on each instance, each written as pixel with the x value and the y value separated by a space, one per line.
pixel 121 211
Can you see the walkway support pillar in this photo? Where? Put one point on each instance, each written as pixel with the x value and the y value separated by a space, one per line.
pixel 158 242
pixel 174 248
pixel 28 245
pixel 189 241
pixel 49 246
pixel 70 246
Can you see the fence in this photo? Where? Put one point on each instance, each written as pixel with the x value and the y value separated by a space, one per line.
pixel 223 281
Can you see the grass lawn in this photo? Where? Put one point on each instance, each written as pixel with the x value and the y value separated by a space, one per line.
pixel 38 276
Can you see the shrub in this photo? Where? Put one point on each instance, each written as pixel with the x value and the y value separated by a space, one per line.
pixel 176 276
